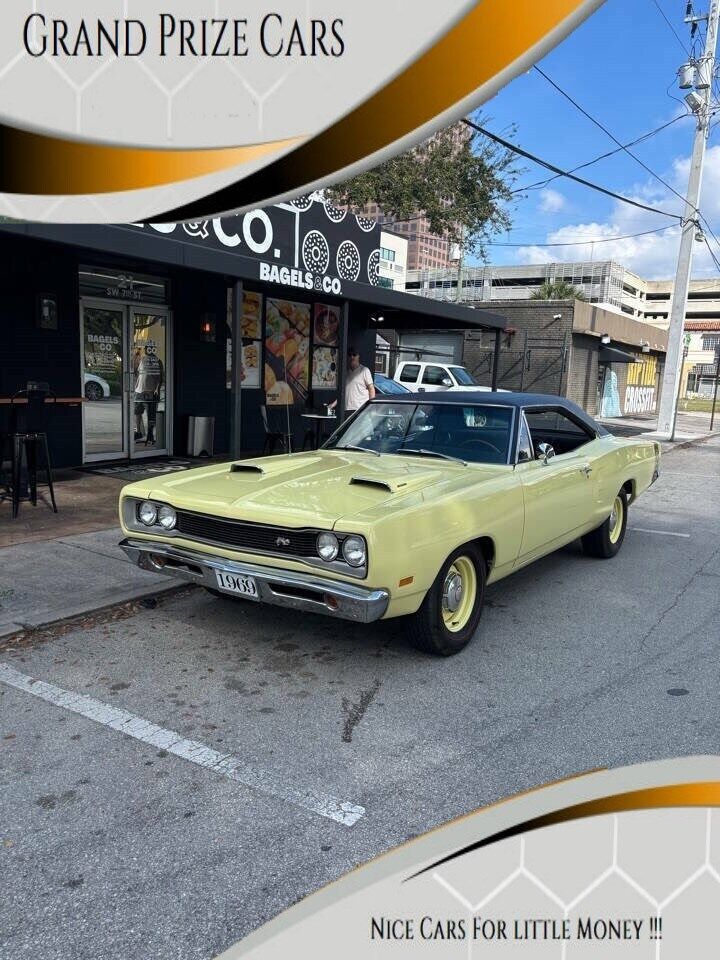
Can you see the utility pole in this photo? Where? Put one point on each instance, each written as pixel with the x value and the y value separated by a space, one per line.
pixel 699 102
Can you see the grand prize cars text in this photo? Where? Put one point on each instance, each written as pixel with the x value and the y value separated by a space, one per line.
pixel 171 36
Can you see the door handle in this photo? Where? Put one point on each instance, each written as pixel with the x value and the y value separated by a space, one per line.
pixel 587 469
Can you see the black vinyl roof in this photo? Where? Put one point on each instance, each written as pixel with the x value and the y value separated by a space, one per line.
pixel 497 398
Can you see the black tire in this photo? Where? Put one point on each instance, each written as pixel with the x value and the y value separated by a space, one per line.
pixel 601 542
pixel 427 628
pixel 93 391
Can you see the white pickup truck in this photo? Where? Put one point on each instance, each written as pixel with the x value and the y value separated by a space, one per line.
pixel 418 376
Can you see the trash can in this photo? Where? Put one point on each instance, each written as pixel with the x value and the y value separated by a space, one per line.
pixel 201 435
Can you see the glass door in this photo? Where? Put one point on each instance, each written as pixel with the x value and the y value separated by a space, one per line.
pixel 149 364
pixel 103 345
pixel 125 381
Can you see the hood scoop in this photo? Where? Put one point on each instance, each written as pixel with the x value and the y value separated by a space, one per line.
pixel 247 468
pixel 377 484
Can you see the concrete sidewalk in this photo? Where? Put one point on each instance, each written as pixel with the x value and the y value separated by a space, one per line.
pixel 52 580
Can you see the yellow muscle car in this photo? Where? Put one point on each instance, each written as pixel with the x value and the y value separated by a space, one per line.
pixel 410 508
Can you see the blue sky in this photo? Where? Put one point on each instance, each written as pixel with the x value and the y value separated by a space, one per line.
pixel 620 65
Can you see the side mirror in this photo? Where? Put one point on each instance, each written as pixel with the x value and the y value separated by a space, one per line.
pixel 545 452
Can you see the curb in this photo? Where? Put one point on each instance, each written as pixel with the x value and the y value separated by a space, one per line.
pixel 683 444
pixel 11 629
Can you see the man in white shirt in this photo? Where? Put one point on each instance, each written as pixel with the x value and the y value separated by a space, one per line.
pixel 359 386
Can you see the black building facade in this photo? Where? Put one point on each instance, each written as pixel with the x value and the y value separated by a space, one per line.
pixel 243 320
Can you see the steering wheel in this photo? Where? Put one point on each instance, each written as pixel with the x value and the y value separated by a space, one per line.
pixel 485 443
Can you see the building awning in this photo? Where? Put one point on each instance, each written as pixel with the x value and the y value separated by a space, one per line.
pixel 613 355
pixel 400 310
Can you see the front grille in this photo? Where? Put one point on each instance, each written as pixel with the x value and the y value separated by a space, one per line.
pixel 247 536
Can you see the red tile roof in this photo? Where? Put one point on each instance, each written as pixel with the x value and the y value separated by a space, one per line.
pixel 702 324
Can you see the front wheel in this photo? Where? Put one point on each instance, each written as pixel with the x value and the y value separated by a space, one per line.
pixel 93 391
pixel 450 612
pixel 606 540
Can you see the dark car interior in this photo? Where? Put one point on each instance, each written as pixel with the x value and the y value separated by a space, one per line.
pixel 562 432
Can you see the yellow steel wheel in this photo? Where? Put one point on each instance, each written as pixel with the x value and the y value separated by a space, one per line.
pixel 616 520
pixel 459 594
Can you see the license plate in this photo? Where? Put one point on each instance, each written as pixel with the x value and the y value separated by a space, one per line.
pixel 237 583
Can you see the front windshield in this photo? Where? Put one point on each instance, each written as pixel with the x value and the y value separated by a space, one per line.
pixel 463 377
pixel 477 433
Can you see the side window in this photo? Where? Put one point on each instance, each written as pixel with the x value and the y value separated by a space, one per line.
pixel 525 447
pixel 554 427
pixel 434 376
pixel 409 373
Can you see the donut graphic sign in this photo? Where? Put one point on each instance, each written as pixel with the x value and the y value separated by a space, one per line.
pixel 307 243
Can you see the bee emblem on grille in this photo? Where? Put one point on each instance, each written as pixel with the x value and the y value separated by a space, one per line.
pixel 282 542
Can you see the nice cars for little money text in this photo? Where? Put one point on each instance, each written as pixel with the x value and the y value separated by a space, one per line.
pixel 273 36
pixel 408 510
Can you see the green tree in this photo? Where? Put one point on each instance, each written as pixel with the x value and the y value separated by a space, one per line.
pixel 557 290
pixel 458 179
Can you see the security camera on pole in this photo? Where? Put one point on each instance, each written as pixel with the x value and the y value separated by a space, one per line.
pixel 698 75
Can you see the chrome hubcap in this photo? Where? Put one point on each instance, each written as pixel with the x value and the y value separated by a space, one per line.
pixel 613 519
pixel 452 593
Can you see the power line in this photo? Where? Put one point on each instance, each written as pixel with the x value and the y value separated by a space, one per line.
pixel 582 243
pixel 674 32
pixel 605 130
pixel 604 156
pixel 566 173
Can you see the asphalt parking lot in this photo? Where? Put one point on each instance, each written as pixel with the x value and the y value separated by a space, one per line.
pixel 310 745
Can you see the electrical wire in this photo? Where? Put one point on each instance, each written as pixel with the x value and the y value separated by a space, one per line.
pixel 604 156
pixel 672 28
pixel 566 173
pixel 605 130
pixel 582 243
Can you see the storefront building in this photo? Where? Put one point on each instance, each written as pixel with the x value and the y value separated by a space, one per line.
pixel 244 320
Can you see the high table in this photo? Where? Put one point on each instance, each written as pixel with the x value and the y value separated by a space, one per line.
pixel 318 418
pixel 21 401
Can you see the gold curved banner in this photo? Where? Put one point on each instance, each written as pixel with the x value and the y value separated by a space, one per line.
pixel 484 43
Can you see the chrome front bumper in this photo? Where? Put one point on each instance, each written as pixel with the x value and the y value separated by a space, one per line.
pixel 284 588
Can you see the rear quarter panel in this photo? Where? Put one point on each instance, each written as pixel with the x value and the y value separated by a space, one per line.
pixel 617 462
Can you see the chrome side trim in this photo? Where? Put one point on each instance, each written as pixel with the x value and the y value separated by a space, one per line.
pixel 284 588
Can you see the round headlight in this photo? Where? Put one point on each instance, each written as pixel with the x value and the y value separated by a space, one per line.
pixel 147 513
pixel 328 546
pixel 166 517
pixel 354 551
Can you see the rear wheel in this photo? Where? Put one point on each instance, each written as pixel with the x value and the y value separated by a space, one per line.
pixel 607 539
pixel 450 612
pixel 93 391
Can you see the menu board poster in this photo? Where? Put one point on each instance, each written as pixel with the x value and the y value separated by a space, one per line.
pixel 251 354
pixel 324 368
pixel 287 352
pixel 251 316
pixel 326 324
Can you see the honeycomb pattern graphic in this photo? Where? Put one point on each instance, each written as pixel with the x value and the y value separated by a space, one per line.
pixel 640 864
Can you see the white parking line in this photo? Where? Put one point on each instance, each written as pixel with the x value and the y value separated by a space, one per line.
pixel 662 533
pixel 198 753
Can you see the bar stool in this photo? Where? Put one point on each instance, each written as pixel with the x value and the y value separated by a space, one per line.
pixel 28 431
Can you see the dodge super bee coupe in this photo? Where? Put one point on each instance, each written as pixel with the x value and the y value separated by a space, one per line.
pixel 410 508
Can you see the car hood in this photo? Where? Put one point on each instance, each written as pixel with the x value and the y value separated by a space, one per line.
pixel 304 489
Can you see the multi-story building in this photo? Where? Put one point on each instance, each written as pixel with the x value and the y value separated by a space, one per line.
pixel 605 282
pixel 392 271
pixel 425 249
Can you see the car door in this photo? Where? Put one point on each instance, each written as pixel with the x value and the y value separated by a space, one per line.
pixel 557 491
pixel 434 377
pixel 408 375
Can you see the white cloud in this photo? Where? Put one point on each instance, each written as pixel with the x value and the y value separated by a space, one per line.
pixel 551 201
pixel 654 255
